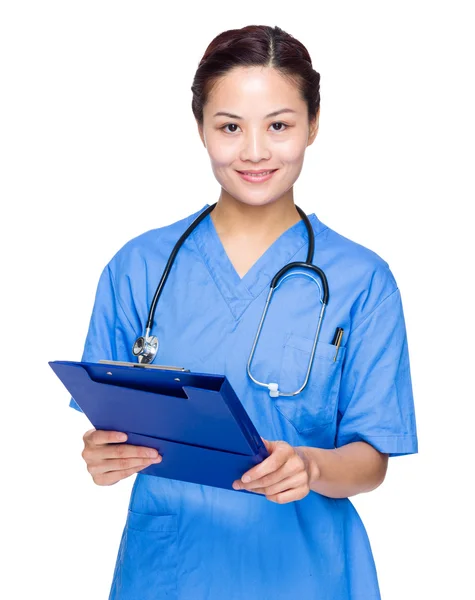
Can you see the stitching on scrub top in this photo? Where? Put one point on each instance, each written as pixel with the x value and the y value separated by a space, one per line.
pixel 290 259
pixel 373 311
pixel 205 262
pixel 393 435
pixel 266 287
pixel 341 352
pixel 119 301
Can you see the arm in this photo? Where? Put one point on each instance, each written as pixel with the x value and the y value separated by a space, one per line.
pixel 290 473
pixel 111 333
pixel 342 472
pixel 376 418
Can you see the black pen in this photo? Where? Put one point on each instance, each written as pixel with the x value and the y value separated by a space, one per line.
pixel 337 340
pixel 336 336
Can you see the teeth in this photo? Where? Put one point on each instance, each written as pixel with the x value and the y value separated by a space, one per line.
pixel 257 174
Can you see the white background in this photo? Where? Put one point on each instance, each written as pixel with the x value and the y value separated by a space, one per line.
pixel 98 144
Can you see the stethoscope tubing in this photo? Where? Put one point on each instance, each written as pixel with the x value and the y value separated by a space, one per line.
pixel 171 259
pixel 145 348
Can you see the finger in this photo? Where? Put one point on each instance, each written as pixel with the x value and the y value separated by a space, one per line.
pixel 281 451
pixel 114 476
pixel 294 481
pixel 289 495
pixel 286 470
pixel 121 464
pixel 88 434
pixel 110 451
pixel 99 437
pixel 267 444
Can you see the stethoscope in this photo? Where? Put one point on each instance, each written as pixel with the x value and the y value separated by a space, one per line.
pixel 146 347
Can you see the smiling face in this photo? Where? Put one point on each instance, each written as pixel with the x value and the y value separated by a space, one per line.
pixel 264 127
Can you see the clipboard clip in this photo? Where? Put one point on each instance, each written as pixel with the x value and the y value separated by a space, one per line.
pixel 144 365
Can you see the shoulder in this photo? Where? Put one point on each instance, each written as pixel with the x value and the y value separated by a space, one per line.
pixel 156 242
pixel 353 269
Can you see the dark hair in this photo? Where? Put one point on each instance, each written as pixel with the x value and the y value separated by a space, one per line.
pixel 256 45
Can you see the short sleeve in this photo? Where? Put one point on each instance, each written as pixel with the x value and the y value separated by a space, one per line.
pixel 376 402
pixel 110 335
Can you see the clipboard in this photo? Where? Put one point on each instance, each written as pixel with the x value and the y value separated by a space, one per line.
pixel 194 420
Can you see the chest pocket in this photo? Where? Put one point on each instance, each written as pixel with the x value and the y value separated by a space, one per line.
pixel 315 407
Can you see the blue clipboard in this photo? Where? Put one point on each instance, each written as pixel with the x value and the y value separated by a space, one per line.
pixel 194 420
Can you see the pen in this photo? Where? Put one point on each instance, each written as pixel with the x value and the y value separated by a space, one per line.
pixel 337 341
pixel 337 333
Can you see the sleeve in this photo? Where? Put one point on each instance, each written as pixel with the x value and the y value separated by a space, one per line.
pixel 110 335
pixel 376 402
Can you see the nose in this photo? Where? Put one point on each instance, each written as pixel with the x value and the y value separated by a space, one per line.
pixel 255 146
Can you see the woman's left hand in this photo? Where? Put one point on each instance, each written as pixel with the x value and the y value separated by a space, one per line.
pixel 282 477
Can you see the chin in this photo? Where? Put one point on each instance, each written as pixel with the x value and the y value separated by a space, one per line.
pixel 253 201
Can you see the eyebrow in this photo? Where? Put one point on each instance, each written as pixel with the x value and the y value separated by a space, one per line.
pixel 272 114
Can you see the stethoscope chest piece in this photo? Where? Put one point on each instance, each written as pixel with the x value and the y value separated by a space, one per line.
pixel 145 348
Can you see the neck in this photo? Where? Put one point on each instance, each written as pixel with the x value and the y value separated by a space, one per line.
pixel 237 219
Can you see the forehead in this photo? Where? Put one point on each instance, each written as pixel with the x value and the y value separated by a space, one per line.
pixel 257 88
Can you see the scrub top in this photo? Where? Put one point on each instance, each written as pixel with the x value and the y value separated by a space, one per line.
pixel 185 541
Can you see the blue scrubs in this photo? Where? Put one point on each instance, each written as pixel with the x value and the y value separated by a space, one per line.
pixel 189 542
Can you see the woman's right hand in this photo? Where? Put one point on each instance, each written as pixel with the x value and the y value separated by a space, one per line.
pixel 108 460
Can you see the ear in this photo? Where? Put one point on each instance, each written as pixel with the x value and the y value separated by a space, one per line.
pixel 200 131
pixel 313 129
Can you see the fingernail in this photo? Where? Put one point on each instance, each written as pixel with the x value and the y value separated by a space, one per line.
pixel 158 459
pixel 246 479
pixel 121 437
pixel 152 453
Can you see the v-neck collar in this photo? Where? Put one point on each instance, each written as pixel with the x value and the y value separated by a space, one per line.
pixel 239 292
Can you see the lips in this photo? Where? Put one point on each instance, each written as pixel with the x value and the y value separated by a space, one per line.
pixel 257 176
pixel 261 172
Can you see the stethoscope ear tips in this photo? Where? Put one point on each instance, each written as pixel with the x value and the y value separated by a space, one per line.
pixel 273 390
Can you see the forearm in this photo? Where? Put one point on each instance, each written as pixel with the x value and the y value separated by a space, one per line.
pixel 346 471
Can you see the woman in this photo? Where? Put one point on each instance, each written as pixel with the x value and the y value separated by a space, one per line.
pixel 297 535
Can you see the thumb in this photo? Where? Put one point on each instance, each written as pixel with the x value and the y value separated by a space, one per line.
pixel 270 446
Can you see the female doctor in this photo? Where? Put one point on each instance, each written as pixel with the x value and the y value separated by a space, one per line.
pixel 297 535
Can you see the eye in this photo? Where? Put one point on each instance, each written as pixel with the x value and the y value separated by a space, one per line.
pixel 229 125
pixel 279 123
pixel 236 125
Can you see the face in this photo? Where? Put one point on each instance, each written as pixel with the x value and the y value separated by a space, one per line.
pixel 250 138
